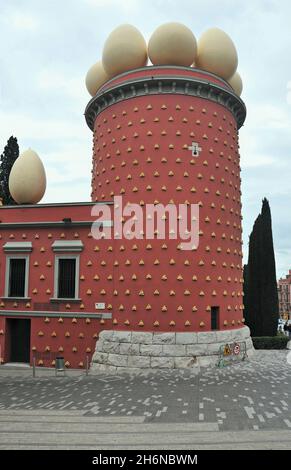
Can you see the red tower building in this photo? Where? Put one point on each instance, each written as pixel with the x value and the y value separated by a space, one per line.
pixel 169 135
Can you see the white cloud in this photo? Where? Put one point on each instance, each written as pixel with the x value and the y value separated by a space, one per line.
pixel 68 172
pixel 26 127
pixel 268 116
pixel 125 5
pixel 51 79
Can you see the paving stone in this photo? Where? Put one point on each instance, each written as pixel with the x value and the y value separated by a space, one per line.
pixel 239 396
pixel 162 362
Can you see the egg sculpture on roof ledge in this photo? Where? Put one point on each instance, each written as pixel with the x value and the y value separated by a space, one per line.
pixel 125 49
pixel 95 78
pixel 236 83
pixel 217 53
pixel 27 180
pixel 172 44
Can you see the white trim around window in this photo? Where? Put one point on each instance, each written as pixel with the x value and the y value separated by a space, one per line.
pixel 7 274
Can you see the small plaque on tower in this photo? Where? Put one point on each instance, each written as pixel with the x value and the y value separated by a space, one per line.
pixel 195 149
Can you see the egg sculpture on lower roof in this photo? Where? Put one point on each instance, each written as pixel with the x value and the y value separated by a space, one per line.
pixel 27 180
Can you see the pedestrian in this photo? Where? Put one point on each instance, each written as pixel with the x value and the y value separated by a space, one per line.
pixel 289 330
pixel 286 332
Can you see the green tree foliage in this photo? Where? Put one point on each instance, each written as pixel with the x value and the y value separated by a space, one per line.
pixel 261 300
pixel 246 282
pixel 7 159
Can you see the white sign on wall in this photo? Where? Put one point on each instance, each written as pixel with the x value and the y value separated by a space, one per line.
pixel 100 306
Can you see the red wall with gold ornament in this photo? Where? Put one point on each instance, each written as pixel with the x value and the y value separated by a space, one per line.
pixel 67 328
pixel 141 153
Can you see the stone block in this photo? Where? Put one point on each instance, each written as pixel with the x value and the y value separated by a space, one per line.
pixel 186 363
pixel 141 337
pixel 208 361
pixel 99 345
pixel 223 336
pixel 249 343
pixel 186 338
pixel 213 348
pixel 288 346
pixel 100 357
pixel 162 362
pixel 174 350
pixel 196 349
pixel 207 337
pixel 117 360
pixel 122 336
pixel 151 349
pixel 111 347
pixel 106 335
pixel 164 338
pixel 102 368
pixel 240 334
pixel 129 349
pixel 139 361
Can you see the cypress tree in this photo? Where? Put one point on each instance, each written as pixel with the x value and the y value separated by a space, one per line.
pixel 269 292
pixel 261 301
pixel 245 289
pixel 7 159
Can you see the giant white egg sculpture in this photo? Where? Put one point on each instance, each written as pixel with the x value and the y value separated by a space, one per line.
pixel 236 83
pixel 125 49
pixel 217 53
pixel 95 78
pixel 172 44
pixel 27 180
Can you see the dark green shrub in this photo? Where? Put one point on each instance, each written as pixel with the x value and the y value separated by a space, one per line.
pixel 270 342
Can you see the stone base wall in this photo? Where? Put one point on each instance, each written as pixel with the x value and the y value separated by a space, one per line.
pixel 133 351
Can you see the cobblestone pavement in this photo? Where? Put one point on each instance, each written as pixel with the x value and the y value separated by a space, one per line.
pixel 249 396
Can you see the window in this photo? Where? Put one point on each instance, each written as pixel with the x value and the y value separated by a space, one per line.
pixel 16 277
pixel 66 277
pixel 215 318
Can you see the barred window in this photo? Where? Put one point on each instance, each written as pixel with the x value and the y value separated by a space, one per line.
pixel 17 273
pixel 66 278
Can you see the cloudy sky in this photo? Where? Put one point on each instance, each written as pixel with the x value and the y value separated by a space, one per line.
pixel 47 46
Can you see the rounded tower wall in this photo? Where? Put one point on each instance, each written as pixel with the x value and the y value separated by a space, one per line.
pixel 144 123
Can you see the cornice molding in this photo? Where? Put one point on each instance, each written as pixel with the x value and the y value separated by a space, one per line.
pixel 162 85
